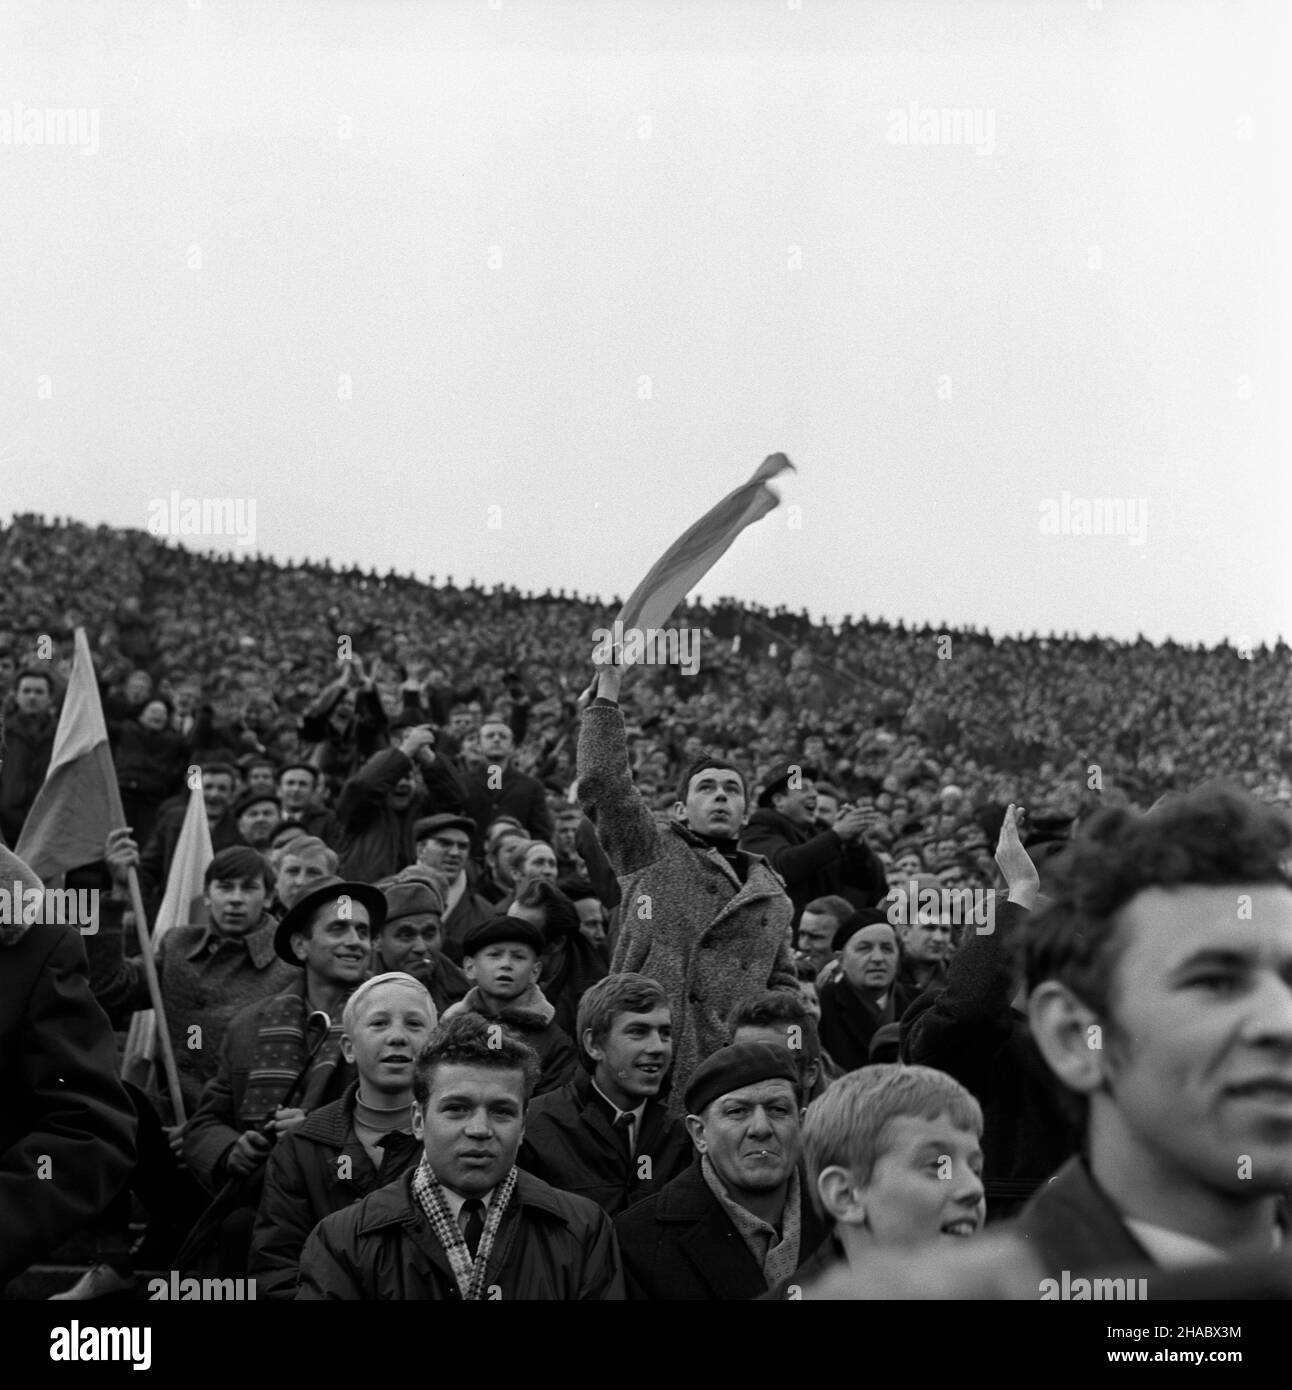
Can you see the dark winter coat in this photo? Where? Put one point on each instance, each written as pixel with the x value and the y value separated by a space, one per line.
pixel 321 1168
pixel 680 1244
pixel 533 1020
pixel 814 863
pixel 376 841
pixel 969 1030
pixel 67 1128
pixel 686 919
pixel 517 794
pixel 29 741
pixel 849 1022
pixel 570 1142
pixel 155 857
pixel 469 911
pixel 550 1246
pixel 150 763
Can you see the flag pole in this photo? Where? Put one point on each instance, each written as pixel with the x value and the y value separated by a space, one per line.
pixel 154 993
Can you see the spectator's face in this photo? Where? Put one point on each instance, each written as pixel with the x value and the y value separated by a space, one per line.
pixel 635 1055
pixel 692 748
pixel 336 948
pixel 217 792
pixel 32 696
pixel 295 874
pixel 926 1185
pixel 139 686
pixel 592 920
pixel 295 788
pixel 388 1031
pixel 260 779
pixel 461 722
pixel 909 862
pixel 1197 1054
pixel 497 843
pixel 235 905
pixel 890 784
pixel 827 807
pixel 257 823
pixel 816 932
pixel 496 742
pixel 504 970
pixel 343 712
pixel 154 716
pixel 8 669
pixel 471 1125
pixel 797 804
pixel 401 794
pixel 884 802
pixel 715 802
pixel 410 943
pixel 927 942
pixel 870 958
pixel 539 862
pixel 445 851
pixel 751 1136
pixel 186 699
pixel 565 831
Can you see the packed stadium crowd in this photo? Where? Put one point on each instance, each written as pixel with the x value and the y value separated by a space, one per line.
pixel 515 976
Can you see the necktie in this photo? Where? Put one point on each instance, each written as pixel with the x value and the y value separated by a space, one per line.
pixel 624 1125
pixel 473 1210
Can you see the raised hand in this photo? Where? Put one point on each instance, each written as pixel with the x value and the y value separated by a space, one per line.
pixel 1014 861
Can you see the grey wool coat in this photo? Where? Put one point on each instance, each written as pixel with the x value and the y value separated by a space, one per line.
pixel 686 920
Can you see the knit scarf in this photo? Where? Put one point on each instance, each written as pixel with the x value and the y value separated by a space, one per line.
pixel 469 1273
pixel 279 1055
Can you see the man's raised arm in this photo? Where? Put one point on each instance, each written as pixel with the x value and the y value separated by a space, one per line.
pixel 624 824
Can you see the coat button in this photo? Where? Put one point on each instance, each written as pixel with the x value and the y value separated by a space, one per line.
pixel 712 887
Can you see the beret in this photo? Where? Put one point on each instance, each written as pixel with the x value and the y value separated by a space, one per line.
pixel 502 929
pixel 741 1064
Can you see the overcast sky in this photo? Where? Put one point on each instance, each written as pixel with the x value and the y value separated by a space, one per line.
pixel 515 289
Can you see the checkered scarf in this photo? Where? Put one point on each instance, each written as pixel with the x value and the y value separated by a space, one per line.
pixel 469 1273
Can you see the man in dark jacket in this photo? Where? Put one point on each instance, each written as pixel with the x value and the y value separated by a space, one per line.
pixel 1158 991
pixel 29 742
pixel 867 994
pixel 814 863
pixel 218 783
pixel 381 803
pixel 739 1221
pixel 443 844
pixel 412 936
pixel 67 1128
pixel 467 1223
pixel 605 1135
pixel 495 787
pixel 351 1147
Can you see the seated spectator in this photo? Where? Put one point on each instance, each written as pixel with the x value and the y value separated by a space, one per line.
pixel 736 1223
pixel 258 815
pixel 326 936
pixel 411 937
pixel 776 1016
pixel 592 915
pixel 207 972
pixel 304 862
pixel 867 993
pixel 570 964
pixel 352 1146
pixel 442 844
pixel 466 1223
pixel 925 933
pixel 491 885
pixel 605 1135
pixel 814 863
pixel 1158 993
pixel 821 919
pixel 502 958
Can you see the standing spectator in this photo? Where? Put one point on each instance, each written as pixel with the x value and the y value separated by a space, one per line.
pixel 218 782
pixel 443 843
pixel 150 759
pixel 298 787
pixel 29 742
pixel 814 863
pixel 867 994
pixel 495 787
pixel 704 917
